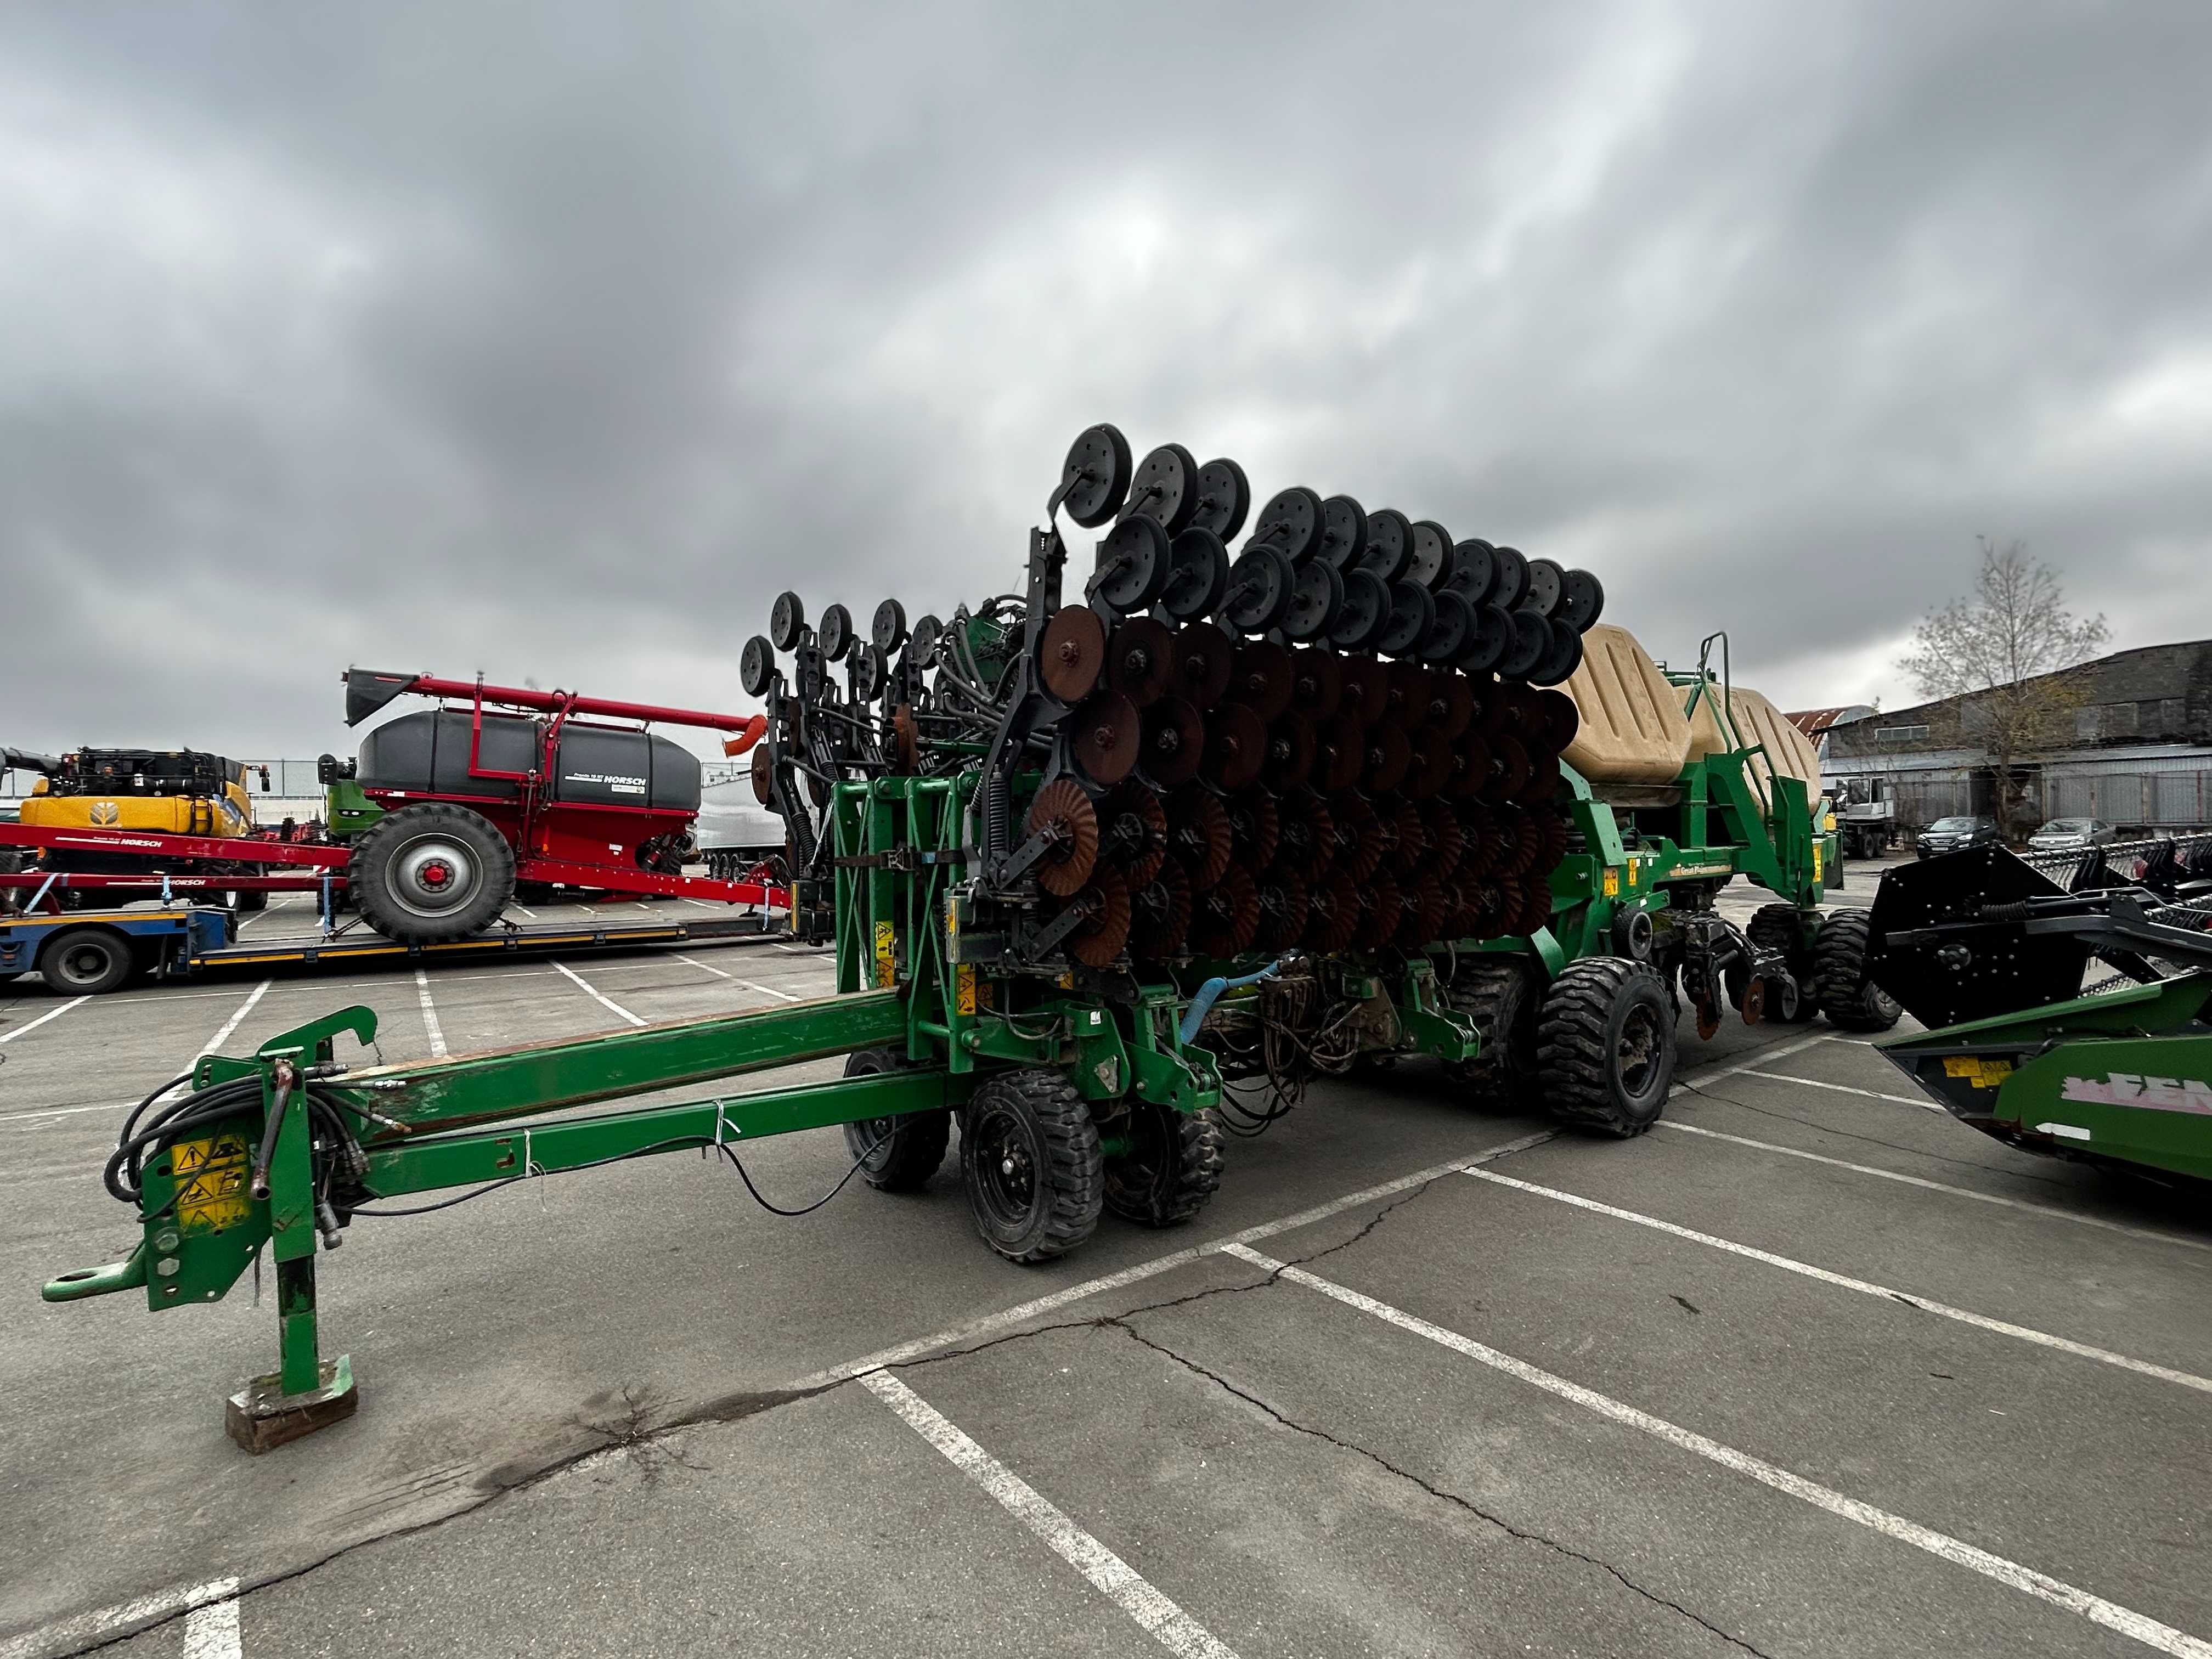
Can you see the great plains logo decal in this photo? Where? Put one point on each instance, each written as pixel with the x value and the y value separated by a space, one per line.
pixel 106 811
pixel 2155 1094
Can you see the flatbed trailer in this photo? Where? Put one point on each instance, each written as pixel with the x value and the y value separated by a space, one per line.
pixel 112 947
pixel 314 867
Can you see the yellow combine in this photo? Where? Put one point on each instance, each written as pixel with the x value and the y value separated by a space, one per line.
pixel 172 793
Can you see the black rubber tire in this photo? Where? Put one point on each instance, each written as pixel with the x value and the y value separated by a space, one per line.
pixel 252 900
pixel 81 962
pixel 373 876
pixel 1499 995
pixel 1594 1009
pixel 1851 1001
pixel 1172 1169
pixel 1030 1158
pixel 1775 927
pixel 909 1148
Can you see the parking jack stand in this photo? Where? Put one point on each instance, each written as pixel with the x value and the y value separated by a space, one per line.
pixel 307 1392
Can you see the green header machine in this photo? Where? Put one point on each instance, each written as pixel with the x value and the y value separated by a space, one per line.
pixel 1110 877
pixel 1990 950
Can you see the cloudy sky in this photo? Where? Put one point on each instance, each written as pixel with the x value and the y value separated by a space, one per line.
pixel 552 340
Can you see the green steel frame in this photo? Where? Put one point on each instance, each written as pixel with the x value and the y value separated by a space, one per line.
pixel 913 974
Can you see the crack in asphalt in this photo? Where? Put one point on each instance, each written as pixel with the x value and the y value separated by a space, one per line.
pixel 1441 1493
pixel 521 1475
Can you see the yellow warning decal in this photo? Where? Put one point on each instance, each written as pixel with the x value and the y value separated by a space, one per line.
pixel 1816 863
pixel 886 970
pixel 964 988
pixel 211 1190
pixel 1980 1072
pixel 1612 883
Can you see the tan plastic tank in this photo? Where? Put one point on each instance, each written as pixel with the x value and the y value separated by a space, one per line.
pixel 1633 732
pixel 1755 721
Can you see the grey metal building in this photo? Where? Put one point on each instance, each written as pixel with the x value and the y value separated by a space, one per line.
pixel 2138 754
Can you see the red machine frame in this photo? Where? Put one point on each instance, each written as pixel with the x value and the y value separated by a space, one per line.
pixel 554 842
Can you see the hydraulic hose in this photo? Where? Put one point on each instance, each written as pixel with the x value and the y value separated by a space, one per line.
pixel 1211 992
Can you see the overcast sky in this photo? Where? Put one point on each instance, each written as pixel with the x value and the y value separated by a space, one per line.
pixel 552 340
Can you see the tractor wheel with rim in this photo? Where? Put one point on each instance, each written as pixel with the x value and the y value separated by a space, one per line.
pixel 1605 1046
pixel 86 961
pixel 1851 1001
pixel 428 873
pixel 1502 996
pixel 1029 1155
pixel 896 1154
pixel 1775 928
pixel 1171 1169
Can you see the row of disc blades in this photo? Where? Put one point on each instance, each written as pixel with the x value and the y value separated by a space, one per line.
pixel 1317 569
pixel 1198 872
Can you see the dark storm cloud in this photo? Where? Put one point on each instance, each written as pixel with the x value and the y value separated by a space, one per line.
pixel 553 341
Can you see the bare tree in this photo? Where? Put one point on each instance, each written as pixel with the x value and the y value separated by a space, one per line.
pixel 2004 653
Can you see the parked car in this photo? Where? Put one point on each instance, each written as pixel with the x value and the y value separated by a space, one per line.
pixel 1949 835
pixel 2072 835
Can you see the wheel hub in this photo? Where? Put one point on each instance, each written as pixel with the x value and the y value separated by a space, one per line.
pixel 434 876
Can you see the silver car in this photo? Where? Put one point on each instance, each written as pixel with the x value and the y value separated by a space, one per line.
pixel 2072 835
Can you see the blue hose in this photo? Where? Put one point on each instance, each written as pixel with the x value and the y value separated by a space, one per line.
pixel 1210 993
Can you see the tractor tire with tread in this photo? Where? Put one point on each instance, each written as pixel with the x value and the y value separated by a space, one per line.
pixel 1172 1169
pixel 400 863
pixel 896 1154
pixel 1605 1046
pixel 1851 1001
pixel 1498 996
pixel 1031 1163
pixel 1775 927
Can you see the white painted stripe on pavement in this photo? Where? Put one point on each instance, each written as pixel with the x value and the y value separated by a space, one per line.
pixel 235 1020
pixel 84 1630
pixel 525 910
pixel 1114 1578
pixel 1921 1101
pixel 2095 1609
pixel 1708 1074
pixel 212 1632
pixel 1021 1313
pixel 1805 1269
pixel 429 1015
pixel 704 905
pixel 769 990
pixel 64 1111
pixel 704 966
pixel 2050 1211
pixel 585 986
pixel 50 1013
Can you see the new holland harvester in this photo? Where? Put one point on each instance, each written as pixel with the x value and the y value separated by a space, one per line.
pixel 1114 865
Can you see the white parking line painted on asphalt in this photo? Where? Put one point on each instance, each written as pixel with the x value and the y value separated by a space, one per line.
pixel 585 986
pixel 2050 1211
pixel 51 1013
pixel 1921 1101
pixel 1114 1578
pixel 212 1632
pixel 769 990
pixel 231 1024
pixel 705 904
pixel 1805 1269
pixel 1021 1313
pixel 85 1630
pixel 525 910
pixel 64 1111
pixel 705 967
pixel 429 1015
pixel 1716 1069
pixel 2113 1617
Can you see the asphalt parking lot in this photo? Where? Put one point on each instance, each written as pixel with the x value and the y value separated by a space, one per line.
pixel 1809 1370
